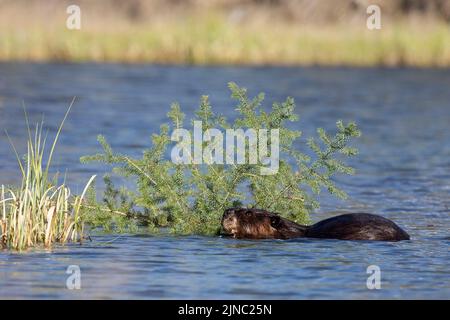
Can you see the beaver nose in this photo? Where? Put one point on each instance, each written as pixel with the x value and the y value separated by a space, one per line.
pixel 225 229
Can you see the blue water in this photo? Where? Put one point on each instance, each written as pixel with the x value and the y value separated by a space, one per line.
pixel 403 173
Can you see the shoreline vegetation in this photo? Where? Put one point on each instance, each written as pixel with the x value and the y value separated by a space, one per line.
pixel 241 34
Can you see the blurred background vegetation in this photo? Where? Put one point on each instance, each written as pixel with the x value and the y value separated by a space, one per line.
pixel 276 32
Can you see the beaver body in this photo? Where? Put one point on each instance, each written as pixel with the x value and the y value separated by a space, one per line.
pixel 244 223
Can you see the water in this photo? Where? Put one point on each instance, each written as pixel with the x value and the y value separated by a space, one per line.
pixel 403 173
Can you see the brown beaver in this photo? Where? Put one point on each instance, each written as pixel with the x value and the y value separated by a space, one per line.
pixel 245 223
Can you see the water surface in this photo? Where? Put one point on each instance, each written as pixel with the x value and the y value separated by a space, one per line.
pixel 403 173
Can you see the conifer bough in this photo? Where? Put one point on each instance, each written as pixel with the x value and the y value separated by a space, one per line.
pixel 191 198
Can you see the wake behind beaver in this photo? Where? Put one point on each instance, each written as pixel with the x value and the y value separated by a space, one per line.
pixel 242 223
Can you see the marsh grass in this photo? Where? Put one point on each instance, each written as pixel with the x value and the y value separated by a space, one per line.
pixel 39 212
pixel 213 39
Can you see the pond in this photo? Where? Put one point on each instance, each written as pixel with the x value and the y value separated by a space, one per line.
pixel 403 173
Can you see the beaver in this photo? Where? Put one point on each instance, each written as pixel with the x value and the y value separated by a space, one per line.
pixel 243 223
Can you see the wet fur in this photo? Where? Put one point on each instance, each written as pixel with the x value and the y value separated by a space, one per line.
pixel 244 223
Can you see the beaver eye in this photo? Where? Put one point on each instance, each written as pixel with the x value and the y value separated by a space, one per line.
pixel 275 221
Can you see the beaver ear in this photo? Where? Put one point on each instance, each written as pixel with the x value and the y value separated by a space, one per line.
pixel 275 221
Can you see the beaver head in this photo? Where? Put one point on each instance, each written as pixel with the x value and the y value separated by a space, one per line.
pixel 258 224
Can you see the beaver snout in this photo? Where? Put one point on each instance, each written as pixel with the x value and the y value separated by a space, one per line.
pixel 229 222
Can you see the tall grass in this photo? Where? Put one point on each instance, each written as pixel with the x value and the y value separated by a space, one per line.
pixel 40 212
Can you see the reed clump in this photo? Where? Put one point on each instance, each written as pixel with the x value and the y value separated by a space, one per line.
pixel 40 211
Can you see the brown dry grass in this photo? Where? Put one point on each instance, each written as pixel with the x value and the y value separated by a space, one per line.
pixel 224 32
